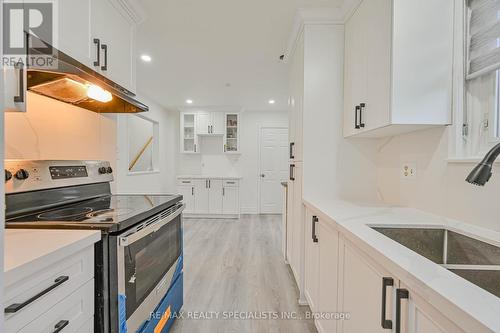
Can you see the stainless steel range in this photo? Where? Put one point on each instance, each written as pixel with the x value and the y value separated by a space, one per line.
pixel 138 262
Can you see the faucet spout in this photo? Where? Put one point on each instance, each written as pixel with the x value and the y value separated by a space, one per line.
pixel 481 174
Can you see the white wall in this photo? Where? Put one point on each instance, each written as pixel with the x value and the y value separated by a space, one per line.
pixel 333 167
pixel 161 181
pixel 440 186
pixel 212 161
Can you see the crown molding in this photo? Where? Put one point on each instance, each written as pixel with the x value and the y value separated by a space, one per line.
pixel 131 9
pixel 318 16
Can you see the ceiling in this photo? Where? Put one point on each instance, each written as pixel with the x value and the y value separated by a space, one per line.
pixel 217 52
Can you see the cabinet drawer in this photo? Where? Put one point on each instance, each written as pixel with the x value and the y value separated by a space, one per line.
pixel 46 288
pixel 71 313
pixel 231 183
pixel 184 182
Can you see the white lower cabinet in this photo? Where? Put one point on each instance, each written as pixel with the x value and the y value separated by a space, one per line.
pixel 321 272
pixel 379 302
pixel 210 197
pixel 362 283
pixel 418 316
pixel 59 295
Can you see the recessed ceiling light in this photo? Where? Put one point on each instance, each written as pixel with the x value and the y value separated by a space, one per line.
pixel 146 58
pixel 189 101
pixel 272 101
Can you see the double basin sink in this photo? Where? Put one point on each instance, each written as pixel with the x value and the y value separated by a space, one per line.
pixel 470 258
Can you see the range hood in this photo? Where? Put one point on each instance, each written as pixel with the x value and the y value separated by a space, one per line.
pixel 67 80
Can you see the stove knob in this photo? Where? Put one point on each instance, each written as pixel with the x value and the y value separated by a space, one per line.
pixel 22 174
pixel 102 170
pixel 109 170
pixel 8 175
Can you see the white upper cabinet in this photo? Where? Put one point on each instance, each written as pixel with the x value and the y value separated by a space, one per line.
pixel 112 39
pixel 232 133
pixel 74 36
pixel 189 139
pixel 208 123
pixel 398 70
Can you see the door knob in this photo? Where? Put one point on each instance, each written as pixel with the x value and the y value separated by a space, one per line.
pixel 262 175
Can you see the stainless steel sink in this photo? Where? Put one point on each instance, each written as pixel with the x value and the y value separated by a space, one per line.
pixel 470 258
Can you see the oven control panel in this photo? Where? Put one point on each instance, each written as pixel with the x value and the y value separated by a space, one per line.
pixel 30 175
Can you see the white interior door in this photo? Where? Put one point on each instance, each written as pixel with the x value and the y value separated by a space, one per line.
pixel 273 168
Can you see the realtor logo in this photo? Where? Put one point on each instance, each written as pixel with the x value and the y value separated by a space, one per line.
pixel 35 17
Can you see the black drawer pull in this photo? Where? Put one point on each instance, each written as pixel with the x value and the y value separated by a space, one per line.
pixel 13 308
pixel 400 294
pixel 361 108
pixel 357 110
pixel 60 326
pixel 97 42
pixel 104 47
pixel 292 144
pixel 20 98
pixel 292 177
pixel 386 282
pixel 314 221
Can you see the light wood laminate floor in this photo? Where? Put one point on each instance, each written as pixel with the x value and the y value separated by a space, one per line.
pixel 235 266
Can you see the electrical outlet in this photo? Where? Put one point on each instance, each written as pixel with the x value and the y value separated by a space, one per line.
pixel 409 170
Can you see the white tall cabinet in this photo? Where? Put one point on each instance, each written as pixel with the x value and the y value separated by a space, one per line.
pixel 398 71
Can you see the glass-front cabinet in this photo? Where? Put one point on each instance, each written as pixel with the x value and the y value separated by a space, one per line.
pixel 232 135
pixel 189 138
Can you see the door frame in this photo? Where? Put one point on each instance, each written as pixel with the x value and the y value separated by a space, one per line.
pixel 259 195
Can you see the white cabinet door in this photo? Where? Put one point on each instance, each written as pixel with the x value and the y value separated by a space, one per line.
pixel 187 193
pixel 355 69
pixel 76 42
pixel 215 196
pixel 328 240
pixel 418 316
pixel 296 101
pixel 116 36
pixel 311 261
pixel 231 200
pixel 290 219
pixel 297 224
pixel 201 194
pixel 188 138
pixel 377 49
pixel 361 291
pixel 217 123
pixel 202 123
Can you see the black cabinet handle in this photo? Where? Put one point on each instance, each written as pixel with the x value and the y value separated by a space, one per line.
pixel 400 294
pixel 20 98
pixel 292 166
pixel 209 184
pixel 104 47
pixel 314 221
pixel 386 282
pixel 195 147
pixel 192 190
pixel 292 144
pixel 357 110
pixel 13 308
pixel 223 191
pixel 97 42
pixel 60 326
pixel 361 107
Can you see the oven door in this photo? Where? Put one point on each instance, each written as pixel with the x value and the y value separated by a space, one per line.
pixel 147 258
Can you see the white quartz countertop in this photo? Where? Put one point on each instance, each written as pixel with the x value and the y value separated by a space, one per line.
pixel 208 177
pixel 439 286
pixel 26 251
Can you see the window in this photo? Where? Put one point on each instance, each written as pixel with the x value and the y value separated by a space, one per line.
pixel 142 144
pixel 482 108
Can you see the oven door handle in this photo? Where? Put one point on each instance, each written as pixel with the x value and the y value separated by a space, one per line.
pixel 135 236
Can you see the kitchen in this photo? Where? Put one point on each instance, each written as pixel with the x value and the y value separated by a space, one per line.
pixel 295 166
